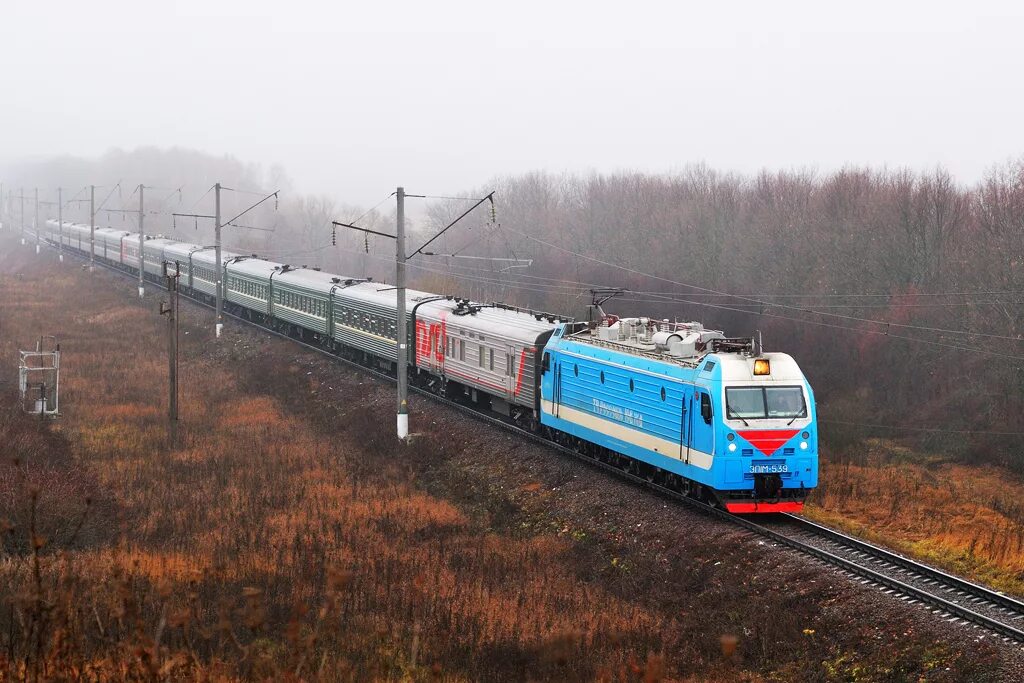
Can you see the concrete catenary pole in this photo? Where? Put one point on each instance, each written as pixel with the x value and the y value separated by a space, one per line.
pixel 35 220
pixel 142 244
pixel 21 196
pixel 400 326
pixel 172 349
pixel 60 225
pixel 92 226
pixel 219 283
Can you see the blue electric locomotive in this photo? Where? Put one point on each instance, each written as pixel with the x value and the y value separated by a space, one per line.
pixel 714 416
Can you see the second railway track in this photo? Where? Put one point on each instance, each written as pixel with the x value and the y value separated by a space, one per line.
pixel 947 596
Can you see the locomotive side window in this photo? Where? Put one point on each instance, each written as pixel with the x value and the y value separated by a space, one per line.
pixel 705 407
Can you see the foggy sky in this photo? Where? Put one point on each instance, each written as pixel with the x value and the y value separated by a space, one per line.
pixel 354 98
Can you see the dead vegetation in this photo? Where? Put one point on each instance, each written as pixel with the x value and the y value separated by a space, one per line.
pixel 968 519
pixel 289 538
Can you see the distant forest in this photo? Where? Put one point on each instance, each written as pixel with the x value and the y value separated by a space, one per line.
pixel 900 293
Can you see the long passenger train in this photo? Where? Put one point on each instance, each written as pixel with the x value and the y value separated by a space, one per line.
pixel 714 417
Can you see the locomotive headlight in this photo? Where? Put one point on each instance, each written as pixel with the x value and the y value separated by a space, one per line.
pixel 732 448
pixel 803 445
pixel 762 367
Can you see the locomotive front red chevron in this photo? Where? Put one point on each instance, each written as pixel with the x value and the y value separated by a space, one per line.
pixel 714 417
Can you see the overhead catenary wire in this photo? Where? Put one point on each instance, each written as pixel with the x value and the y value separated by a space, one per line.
pixel 258 193
pixel 670 296
pixel 832 295
pixel 818 323
pixel 768 304
pixel 109 194
pixel 935 430
pixel 584 285
pixel 201 197
pixel 577 291
pixel 454 199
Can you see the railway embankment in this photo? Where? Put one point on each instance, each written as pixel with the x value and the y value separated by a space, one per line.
pixel 290 534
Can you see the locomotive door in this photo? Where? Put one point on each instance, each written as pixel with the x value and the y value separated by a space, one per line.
pixel 685 425
pixel 556 391
pixel 701 422
pixel 547 379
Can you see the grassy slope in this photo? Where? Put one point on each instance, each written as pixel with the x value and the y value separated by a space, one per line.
pixel 969 520
pixel 285 537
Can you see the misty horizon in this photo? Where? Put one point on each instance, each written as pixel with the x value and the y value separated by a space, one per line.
pixel 352 101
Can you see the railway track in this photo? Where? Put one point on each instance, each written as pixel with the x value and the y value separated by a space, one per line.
pixel 946 596
pixel 949 596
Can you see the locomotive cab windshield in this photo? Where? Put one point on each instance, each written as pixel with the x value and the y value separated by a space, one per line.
pixel 764 403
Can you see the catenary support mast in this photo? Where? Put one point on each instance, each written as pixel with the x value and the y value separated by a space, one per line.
pixel 217 254
pixel 92 226
pixel 60 225
pixel 142 244
pixel 400 326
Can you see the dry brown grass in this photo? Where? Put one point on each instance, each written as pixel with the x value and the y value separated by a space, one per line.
pixel 286 540
pixel 967 519
pixel 260 547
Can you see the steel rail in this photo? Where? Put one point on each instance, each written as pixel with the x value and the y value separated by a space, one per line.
pixel 871 577
pixel 921 570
